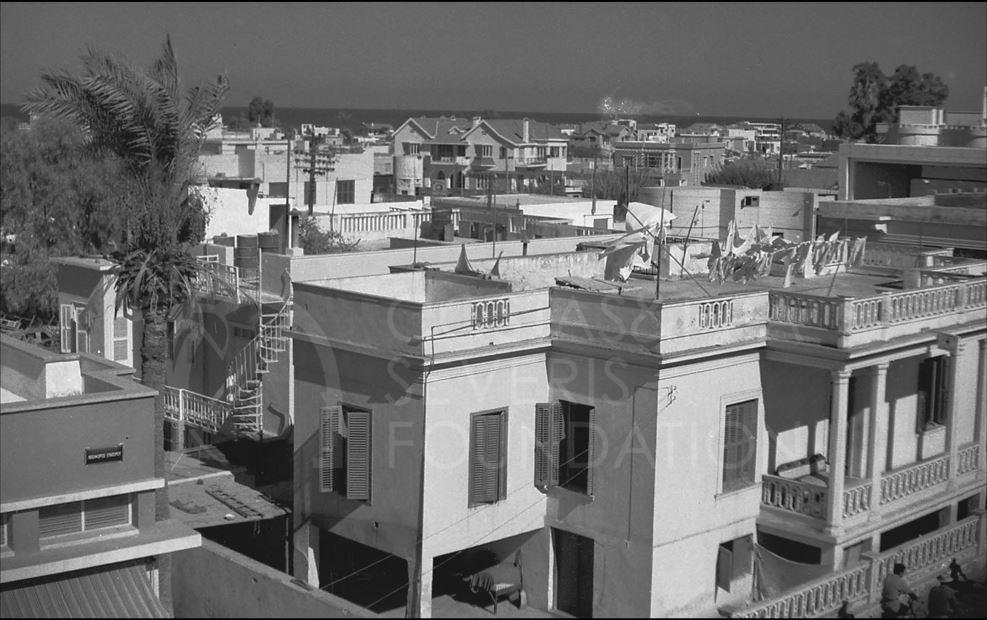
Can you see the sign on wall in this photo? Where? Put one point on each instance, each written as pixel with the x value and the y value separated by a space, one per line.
pixel 104 455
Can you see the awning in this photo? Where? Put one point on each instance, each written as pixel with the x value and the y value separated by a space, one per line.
pixel 115 593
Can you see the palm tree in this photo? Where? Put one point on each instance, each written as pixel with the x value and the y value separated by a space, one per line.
pixel 143 118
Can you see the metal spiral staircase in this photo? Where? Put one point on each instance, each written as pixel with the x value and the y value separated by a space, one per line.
pixel 242 410
pixel 245 376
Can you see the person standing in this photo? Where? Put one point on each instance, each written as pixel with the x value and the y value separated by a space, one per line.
pixel 894 588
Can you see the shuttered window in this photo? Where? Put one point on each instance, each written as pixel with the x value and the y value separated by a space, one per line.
pixel 564 446
pixel 4 526
pixel 933 391
pixel 66 327
pixel 487 458
pixel 345 456
pixel 106 512
pixel 86 516
pixel 82 329
pixel 121 339
pixel 60 519
pixel 739 445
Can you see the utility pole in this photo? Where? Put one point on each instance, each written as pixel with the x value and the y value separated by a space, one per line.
pixel 592 185
pixel 781 151
pixel 316 167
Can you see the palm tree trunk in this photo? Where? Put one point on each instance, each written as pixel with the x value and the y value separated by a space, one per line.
pixel 154 352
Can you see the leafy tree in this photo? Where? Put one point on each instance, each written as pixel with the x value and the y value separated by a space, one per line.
pixel 752 173
pixel 261 111
pixel 54 202
pixel 874 98
pixel 314 240
pixel 155 129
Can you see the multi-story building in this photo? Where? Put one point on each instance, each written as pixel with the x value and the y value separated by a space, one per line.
pixel 450 155
pixel 656 132
pixel 631 449
pixel 691 161
pixel 78 531
pixel 767 137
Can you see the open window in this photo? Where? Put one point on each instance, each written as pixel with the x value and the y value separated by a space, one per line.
pixel 564 439
pixel 344 451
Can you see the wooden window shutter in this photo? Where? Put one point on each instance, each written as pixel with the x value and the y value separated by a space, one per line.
pixel 66 324
pixel 81 330
pixel 107 512
pixel 121 339
pixel 328 430
pixel 941 403
pixel 502 457
pixel 724 567
pixel 484 458
pixel 739 443
pixel 590 452
pixel 358 455
pixel 548 435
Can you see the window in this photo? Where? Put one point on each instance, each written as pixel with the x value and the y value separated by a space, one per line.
pixel 750 201
pixel 84 516
pixel 4 526
pixel 503 152
pixel 345 192
pixel 344 451
pixel 933 391
pixel 488 458
pixel 121 339
pixel 411 148
pixel 739 445
pixel 554 151
pixel 484 150
pixel 277 190
pixel 73 326
pixel 564 438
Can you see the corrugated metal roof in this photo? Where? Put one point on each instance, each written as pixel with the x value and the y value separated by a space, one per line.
pixel 117 593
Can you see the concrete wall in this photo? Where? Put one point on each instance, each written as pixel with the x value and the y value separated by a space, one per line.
pixel 393 393
pixel 532 272
pixel 619 516
pixel 692 513
pixel 42 451
pixel 230 212
pixel 215 582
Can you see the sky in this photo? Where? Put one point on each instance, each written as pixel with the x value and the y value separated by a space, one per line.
pixel 711 58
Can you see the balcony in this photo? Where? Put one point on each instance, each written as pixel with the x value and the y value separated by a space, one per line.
pixel 450 160
pixel 861 584
pixel 530 162
pixel 807 495
pixel 846 321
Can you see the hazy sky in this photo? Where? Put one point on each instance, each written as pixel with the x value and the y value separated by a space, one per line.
pixel 762 60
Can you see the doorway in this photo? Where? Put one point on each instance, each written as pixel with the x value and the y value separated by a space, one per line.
pixel 573 573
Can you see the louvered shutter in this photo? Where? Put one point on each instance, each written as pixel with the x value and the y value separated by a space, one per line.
pixel 739 440
pixel 477 460
pixel 328 425
pixel 487 445
pixel 107 512
pixel 358 455
pixel 121 339
pixel 724 567
pixel 590 451
pixel 61 519
pixel 941 403
pixel 548 434
pixel 81 330
pixel 65 327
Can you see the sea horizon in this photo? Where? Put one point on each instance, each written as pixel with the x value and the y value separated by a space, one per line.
pixel 352 118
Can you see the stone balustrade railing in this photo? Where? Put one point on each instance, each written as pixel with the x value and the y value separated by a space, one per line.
pixel 857 499
pixel 914 478
pixel 863 583
pixel 819 597
pixel 968 459
pixel 848 316
pixel 793 496
pixel 930 551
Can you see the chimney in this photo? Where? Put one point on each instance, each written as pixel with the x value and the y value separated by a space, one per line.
pixel 526 135
pixel 476 120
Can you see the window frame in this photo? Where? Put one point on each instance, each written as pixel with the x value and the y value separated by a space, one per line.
pixel 84 529
pixel 345 191
pixel 502 462
pixel 551 430
pixel 933 398
pixel 726 401
pixel 334 460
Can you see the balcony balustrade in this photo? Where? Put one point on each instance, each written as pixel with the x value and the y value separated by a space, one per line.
pixel 862 583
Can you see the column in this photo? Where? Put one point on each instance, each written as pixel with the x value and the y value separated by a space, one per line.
pixel 837 449
pixel 306 556
pixel 981 410
pixel 419 588
pixel 953 412
pixel 878 449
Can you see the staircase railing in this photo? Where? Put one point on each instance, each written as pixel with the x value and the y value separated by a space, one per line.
pixel 244 384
